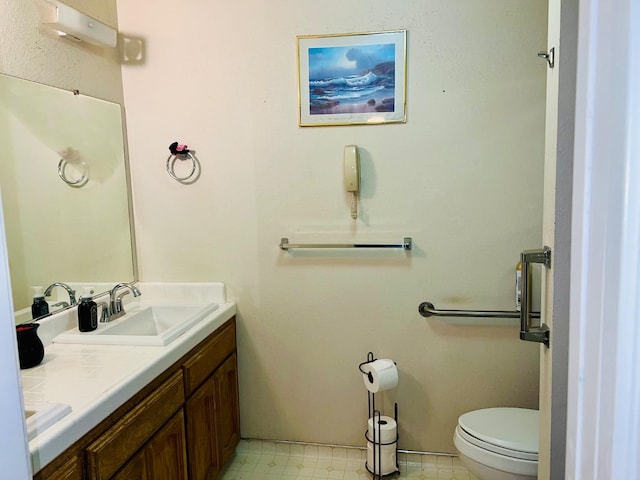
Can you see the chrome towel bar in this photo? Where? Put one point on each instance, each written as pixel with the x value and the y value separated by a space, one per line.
pixel 406 244
pixel 426 309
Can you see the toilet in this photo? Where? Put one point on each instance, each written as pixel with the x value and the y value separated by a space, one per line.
pixel 499 443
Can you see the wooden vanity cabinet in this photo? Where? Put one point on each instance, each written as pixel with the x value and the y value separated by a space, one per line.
pixel 212 412
pixel 183 426
pixel 213 423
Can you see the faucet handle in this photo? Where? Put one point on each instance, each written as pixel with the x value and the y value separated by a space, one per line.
pixel 104 316
pixel 119 307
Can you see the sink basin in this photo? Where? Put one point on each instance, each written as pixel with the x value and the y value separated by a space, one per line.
pixel 143 325
pixel 41 416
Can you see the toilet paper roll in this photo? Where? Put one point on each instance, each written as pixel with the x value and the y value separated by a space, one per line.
pixel 382 429
pixel 384 465
pixel 380 375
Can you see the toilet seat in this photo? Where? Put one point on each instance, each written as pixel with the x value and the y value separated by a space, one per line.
pixel 506 431
pixel 499 443
pixel 495 449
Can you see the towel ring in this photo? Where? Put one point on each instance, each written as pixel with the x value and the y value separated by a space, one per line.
pixel 81 181
pixel 171 161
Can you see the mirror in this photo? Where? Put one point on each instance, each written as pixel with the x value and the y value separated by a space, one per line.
pixel 64 186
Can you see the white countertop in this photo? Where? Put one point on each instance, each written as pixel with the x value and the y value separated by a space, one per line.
pixel 96 379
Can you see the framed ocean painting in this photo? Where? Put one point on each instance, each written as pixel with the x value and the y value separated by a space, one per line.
pixel 355 78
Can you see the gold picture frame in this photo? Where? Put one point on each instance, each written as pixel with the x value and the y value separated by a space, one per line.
pixel 352 78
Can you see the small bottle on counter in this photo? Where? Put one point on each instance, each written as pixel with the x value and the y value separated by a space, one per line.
pixel 87 315
pixel 40 307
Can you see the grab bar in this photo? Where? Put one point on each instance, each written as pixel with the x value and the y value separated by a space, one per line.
pixel 529 333
pixel 426 309
pixel 406 244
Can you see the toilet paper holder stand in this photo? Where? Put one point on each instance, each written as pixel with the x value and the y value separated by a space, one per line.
pixel 374 413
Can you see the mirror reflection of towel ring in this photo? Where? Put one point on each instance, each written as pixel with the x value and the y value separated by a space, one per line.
pixel 191 176
pixel 79 182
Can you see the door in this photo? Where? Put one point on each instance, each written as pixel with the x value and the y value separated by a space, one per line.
pixel 603 437
pixel 559 132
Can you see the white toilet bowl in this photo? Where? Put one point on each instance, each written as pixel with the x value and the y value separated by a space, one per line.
pixel 499 443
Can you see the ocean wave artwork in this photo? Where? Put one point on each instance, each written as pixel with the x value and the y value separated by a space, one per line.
pixel 352 79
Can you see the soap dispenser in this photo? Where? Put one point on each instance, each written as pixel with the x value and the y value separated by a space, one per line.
pixel 87 315
pixel 40 307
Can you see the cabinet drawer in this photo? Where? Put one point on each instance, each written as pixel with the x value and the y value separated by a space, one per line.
pixel 111 450
pixel 209 355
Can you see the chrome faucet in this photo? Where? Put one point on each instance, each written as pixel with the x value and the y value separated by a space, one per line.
pixel 116 309
pixel 70 291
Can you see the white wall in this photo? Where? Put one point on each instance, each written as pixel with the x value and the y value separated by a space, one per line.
pixel 463 177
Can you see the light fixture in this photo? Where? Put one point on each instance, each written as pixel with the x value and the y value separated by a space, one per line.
pixel 78 26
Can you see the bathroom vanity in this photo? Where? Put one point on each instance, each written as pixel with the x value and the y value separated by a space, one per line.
pixel 105 404
pixel 184 425
pixel 172 410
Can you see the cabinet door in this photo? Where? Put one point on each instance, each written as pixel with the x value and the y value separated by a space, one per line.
pixel 134 469
pixel 166 454
pixel 227 408
pixel 202 450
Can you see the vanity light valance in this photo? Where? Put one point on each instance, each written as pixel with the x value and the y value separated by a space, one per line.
pixel 74 24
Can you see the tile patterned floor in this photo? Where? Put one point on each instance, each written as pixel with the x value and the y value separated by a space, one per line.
pixel 263 460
